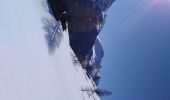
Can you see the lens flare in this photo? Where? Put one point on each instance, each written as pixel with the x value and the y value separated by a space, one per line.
pixel 160 2
pixel 160 5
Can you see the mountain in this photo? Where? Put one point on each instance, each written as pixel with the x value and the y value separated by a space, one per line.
pixel 85 20
pixel 48 53
pixel 36 61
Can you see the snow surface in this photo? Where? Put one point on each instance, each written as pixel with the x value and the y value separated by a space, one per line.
pixel 27 70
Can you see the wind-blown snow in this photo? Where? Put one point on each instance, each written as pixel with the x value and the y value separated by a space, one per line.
pixel 27 71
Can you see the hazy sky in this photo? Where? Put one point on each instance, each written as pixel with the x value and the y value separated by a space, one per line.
pixel 136 39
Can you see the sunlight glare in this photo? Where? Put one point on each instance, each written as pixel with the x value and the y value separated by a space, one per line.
pixel 160 2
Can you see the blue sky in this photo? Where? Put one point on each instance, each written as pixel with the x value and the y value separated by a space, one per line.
pixel 136 40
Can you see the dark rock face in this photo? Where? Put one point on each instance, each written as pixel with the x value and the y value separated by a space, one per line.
pixel 94 59
pixel 82 43
pixel 84 19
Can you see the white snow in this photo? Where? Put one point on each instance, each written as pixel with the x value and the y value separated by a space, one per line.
pixel 27 71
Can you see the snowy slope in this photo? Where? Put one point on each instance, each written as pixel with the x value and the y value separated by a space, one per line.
pixel 27 70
